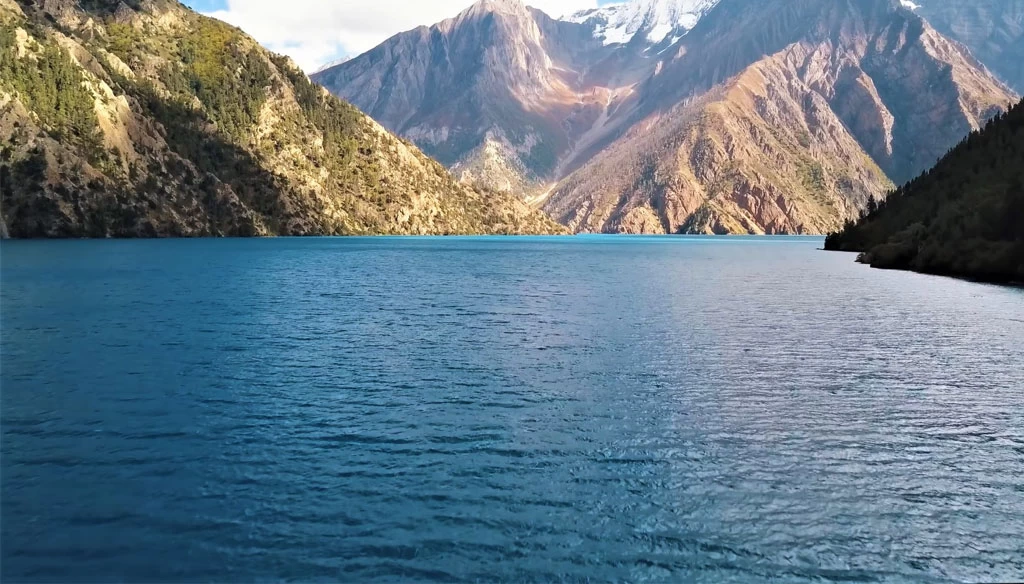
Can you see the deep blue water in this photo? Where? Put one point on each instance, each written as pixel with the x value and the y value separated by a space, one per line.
pixel 479 409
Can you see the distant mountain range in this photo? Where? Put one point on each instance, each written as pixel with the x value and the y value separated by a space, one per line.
pixel 694 116
pixel 142 118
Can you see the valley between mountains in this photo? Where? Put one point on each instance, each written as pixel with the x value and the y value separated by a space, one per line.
pixel 694 116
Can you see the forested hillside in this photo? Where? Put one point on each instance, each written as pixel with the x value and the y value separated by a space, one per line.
pixel 143 118
pixel 964 218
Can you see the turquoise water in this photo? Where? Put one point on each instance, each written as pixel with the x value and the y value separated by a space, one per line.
pixel 477 409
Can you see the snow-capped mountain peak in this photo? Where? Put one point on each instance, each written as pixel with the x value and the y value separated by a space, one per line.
pixel 334 63
pixel 655 19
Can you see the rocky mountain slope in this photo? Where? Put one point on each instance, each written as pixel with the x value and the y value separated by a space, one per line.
pixel 778 116
pixel 992 29
pixel 503 94
pixel 794 113
pixel 965 217
pixel 143 118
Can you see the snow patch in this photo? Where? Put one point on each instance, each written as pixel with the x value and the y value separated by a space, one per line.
pixel 332 64
pixel 654 19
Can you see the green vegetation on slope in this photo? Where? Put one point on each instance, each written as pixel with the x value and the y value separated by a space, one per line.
pixel 963 218
pixel 144 118
pixel 335 119
pixel 50 84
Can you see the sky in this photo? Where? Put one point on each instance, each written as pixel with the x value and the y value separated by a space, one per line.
pixel 314 32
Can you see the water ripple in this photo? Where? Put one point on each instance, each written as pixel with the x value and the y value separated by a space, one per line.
pixel 466 410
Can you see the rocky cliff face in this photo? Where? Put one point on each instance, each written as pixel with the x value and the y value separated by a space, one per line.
pixel 992 29
pixel 142 118
pixel 778 116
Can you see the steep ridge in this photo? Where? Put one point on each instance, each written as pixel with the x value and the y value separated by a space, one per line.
pixel 143 118
pixel 992 29
pixel 965 217
pixel 781 117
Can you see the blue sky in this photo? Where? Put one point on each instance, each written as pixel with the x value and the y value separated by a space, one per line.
pixel 207 5
pixel 314 32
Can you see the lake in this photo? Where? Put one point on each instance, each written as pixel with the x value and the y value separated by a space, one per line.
pixel 583 409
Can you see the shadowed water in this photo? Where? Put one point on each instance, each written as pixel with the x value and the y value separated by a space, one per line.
pixel 580 410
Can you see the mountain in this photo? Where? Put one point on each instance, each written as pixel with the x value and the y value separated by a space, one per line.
pixel 143 118
pixel 781 116
pixel 507 96
pixel 992 29
pixel 777 116
pixel 496 93
pixel 965 217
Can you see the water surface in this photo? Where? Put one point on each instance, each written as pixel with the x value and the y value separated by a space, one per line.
pixel 476 409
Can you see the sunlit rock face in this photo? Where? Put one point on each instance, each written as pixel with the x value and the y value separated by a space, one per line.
pixel 723 116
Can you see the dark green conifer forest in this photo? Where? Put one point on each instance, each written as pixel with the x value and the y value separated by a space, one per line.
pixel 963 218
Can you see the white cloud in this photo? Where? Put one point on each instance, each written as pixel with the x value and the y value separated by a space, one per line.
pixel 315 31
